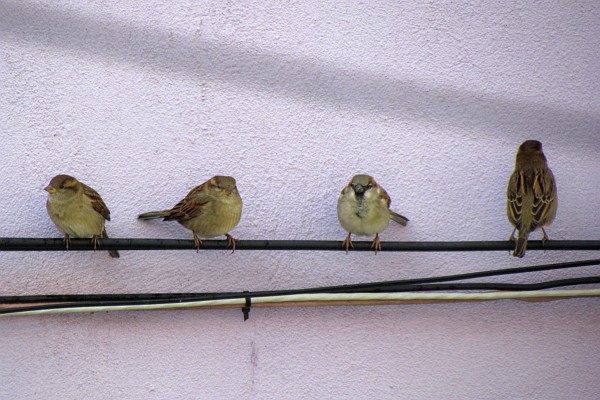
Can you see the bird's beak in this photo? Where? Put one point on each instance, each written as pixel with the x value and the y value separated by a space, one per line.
pixel 358 188
pixel 50 189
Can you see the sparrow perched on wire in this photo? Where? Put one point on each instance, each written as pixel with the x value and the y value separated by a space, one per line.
pixel 531 194
pixel 209 210
pixel 77 210
pixel 363 208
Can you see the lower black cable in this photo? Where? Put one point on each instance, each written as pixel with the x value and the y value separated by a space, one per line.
pixel 384 289
pixel 352 288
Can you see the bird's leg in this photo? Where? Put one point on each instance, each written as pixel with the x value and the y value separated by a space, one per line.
pixel 347 243
pixel 376 243
pixel 230 242
pixel 197 242
pixel 512 237
pixel 545 237
pixel 95 241
pixel 67 240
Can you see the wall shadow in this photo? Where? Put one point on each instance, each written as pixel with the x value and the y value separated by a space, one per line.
pixel 308 79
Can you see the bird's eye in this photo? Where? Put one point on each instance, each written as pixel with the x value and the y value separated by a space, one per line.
pixel 61 187
pixel 219 187
pixel 369 186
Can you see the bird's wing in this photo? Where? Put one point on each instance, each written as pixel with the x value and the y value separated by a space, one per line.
pixel 385 197
pixel 514 194
pixel 96 201
pixel 544 194
pixel 191 206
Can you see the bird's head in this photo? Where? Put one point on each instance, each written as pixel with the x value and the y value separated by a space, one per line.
pixel 360 184
pixel 530 151
pixel 223 184
pixel 63 185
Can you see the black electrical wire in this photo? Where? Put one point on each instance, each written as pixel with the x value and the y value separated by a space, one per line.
pixel 405 285
pixel 245 294
pixel 360 287
pixel 45 244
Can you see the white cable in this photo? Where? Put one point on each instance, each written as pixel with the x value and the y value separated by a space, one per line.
pixel 331 297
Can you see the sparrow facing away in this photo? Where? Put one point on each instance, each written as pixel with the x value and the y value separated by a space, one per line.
pixel 209 210
pixel 363 208
pixel 77 210
pixel 531 194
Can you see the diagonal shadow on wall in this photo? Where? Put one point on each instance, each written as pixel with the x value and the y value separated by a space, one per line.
pixel 309 79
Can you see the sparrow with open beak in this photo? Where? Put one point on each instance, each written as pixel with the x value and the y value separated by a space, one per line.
pixel 363 208
pixel 212 209
pixel 531 194
pixel 77 210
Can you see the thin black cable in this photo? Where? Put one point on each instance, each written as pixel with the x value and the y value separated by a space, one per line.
pixel 250 295
pixel 325 289
pixel 124 244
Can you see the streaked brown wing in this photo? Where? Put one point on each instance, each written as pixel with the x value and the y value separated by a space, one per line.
pixel 191 206
pixel 514 196
pixel 385 197
pixel 96 201
pixel 544 194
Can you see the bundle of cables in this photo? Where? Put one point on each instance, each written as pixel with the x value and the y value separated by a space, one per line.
pixel 450 288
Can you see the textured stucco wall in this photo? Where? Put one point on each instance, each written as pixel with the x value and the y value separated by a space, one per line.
pixel 145 99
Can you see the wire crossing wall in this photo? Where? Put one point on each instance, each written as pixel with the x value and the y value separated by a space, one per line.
pixel 52 244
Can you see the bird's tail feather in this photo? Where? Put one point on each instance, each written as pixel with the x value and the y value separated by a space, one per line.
pixel 402 220
pixel 113 253
pixel 153 215
pixel 521 245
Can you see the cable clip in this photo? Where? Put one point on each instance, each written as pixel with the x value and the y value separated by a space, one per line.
pixel 246 308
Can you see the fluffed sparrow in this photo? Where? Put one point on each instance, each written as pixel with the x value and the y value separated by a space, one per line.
pixel 209 210
pixel 77 210
pixel 531 194
pixel 363 208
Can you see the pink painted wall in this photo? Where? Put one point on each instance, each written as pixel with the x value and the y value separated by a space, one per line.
pixel 145 99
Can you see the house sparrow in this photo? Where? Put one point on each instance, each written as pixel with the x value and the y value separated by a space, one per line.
pixel 363 209
pixel 531 194
pixel 211 209
pixel 77 210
